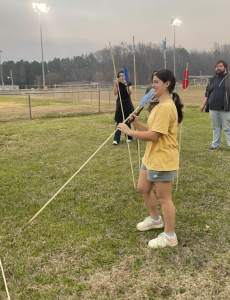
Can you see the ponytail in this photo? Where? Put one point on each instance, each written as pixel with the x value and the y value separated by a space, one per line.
pixel 179 106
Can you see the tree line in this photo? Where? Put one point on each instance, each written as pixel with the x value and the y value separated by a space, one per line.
pixel 98 66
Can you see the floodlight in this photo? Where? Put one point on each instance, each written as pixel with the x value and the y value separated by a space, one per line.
pixel 175 22
pixel 40 7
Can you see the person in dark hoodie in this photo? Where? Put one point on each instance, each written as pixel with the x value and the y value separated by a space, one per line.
pixel 217 102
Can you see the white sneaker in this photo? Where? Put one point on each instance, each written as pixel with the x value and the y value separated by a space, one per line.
pixel 149 223
pixel 115 143
pixel 163 240
pixel 128 141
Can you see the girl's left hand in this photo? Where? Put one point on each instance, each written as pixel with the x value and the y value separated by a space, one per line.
pixel 124 128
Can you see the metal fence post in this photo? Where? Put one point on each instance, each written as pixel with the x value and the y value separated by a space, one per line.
pixel 91 95
pixel 109 96
pixel 30 107
pixel 99 100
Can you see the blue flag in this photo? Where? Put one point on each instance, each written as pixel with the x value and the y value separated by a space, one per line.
pixel 126 75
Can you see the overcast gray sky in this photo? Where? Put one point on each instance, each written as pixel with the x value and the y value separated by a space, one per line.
pixel 74 27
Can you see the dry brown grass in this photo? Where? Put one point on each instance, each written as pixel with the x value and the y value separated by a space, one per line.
pixel 64 104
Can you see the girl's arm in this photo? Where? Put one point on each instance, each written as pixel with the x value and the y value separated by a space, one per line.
pixel 140 135
pixel 128 88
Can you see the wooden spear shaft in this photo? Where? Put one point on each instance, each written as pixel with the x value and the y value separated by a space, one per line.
pixel 177 179
pixel 134 67
pixel 4 279
pixel 73 176
pixel 115 72
pixel 135 85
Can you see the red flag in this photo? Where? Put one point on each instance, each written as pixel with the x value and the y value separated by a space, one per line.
pixel 186 74
pixel 185 83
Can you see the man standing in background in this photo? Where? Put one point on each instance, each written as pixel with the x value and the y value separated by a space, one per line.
pixel 217 102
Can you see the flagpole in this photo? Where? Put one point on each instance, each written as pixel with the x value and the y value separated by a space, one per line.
pixel 186 78
pixel 115 72
pixel 135 88
pixel 165 54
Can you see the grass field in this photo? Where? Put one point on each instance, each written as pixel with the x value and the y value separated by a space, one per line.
pixel 85 245
pixel 62 104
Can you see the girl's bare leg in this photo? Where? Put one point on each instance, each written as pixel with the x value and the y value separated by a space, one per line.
pixel 164 195
pixel 145 188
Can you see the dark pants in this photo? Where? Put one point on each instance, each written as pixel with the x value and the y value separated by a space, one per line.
pixel 118 132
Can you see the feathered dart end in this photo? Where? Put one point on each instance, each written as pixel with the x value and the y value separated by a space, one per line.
pixel 144 101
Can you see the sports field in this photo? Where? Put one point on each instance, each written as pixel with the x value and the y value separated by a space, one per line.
pixel 61 104
pixel 84 244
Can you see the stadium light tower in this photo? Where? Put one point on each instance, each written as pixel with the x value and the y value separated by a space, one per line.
pixel 1 67
pixel 41 7
pixel 11 77
pixel 175 22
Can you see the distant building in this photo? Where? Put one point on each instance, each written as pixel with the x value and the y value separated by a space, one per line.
pixel 9 87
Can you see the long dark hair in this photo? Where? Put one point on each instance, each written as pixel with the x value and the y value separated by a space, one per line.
pixel 167 75
pixel 119 73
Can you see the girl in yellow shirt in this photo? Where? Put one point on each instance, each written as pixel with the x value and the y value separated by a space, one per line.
pixel 161 158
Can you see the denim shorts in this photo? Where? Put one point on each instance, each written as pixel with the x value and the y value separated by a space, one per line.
pixel 158 176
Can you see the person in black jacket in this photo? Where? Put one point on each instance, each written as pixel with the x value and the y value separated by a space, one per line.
pixel 217 102
pixel 125 92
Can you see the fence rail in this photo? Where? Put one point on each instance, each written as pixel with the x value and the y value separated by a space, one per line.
pixel 27 104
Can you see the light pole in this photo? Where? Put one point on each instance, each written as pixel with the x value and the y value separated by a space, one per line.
pixel 175 22
pixel 41 7
pixel 1 67
pixel 11 77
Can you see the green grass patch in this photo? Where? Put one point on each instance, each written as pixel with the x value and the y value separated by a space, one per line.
pixel 38 101
pixel 84 245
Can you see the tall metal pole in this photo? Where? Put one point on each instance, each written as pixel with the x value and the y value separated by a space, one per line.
pixel 43 72
pixel 11 76
pixel 1 67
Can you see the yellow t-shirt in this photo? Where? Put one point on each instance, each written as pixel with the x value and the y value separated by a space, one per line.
pixel 163 155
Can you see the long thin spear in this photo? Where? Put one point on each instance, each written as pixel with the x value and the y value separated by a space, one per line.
pixel 134 66
pixel 115 73
pixel 136 111
pixel 135 85
pixel 4 279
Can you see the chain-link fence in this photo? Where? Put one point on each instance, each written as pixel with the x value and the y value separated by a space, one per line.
pixel 37 104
